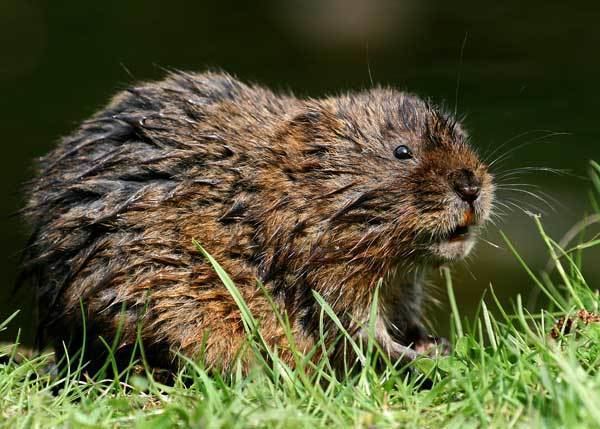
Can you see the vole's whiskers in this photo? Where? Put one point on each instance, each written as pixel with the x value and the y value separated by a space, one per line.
pixel 502 145
pixel 513 205
pixel 508 182
pixel 541 196
pixel 505 186
pixel 497 215
pixel 462 51
pixel 516 172
pixel 494 245
pixel 468 268
pixel 369 67
pixel 502 157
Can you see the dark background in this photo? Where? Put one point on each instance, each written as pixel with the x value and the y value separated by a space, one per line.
pixel 524 67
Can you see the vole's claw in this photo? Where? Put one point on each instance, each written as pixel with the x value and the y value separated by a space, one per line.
pixel 433 346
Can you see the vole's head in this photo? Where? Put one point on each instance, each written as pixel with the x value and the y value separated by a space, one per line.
pixel 396 177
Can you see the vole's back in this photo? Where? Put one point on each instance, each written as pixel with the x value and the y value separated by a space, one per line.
pixel 116 205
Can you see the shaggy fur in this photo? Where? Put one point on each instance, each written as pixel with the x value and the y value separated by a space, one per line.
pixel 300 194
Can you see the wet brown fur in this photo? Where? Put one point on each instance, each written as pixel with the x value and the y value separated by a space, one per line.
pixel 300 194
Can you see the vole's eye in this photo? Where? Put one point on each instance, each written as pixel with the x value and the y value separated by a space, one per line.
pixel 402 152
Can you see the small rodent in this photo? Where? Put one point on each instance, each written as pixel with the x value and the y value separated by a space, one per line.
pixel 328 195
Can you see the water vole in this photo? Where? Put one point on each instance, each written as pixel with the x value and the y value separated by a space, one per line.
pixel 329 195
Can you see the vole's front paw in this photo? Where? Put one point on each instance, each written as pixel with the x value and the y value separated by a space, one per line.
pixel 433 346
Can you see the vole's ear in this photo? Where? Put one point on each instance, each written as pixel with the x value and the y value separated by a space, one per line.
pixel 309 131
pixel 310 118
pixel 313 122
pixel 307 134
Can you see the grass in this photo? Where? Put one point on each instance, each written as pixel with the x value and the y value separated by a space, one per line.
pixel 509 368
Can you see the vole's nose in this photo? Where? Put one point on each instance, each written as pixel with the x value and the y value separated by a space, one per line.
pixel 466 185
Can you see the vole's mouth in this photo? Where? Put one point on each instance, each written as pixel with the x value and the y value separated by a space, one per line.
pixel 458 242
pixel 455 245
pixel 461 232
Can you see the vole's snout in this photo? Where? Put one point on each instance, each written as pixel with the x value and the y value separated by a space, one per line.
pixel 466 185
